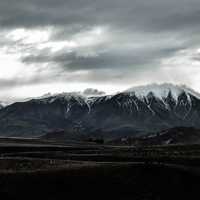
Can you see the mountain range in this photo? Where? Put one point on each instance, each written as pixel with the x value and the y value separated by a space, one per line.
pixel 134 112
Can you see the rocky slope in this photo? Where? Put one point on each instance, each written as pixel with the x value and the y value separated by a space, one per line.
pixel 136 111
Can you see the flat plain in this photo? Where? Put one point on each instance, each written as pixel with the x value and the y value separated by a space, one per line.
pixel 43 169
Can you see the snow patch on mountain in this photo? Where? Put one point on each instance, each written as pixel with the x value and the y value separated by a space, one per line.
pixel 3 104
pixel 162 90
pixel 65 96
pixel 129 103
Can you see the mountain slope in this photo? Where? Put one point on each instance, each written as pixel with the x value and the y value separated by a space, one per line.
pixel 2 105
pixel 136 111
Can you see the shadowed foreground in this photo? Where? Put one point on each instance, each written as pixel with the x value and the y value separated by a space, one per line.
pixel 100 182
pixel 35 172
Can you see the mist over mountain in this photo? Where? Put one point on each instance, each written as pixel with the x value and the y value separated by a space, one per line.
pixel 93 92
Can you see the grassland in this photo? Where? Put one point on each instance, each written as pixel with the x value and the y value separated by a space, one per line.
pixel 40 169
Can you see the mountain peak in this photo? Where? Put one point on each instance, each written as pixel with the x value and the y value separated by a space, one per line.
pixel 162 90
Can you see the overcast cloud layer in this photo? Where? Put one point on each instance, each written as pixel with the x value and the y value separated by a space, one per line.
pixel 67 45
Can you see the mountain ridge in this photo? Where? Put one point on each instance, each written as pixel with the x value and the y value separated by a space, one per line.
pixel 108 116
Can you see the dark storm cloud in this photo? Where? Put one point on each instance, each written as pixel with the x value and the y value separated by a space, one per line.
pixel 143 14
pixel 141 33
pixel 113 59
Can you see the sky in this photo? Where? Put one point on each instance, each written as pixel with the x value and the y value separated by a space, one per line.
pixel 110 45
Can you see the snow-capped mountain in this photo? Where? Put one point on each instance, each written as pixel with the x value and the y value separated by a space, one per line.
pixel 162 90
pixel 136 111
pixel 3 104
